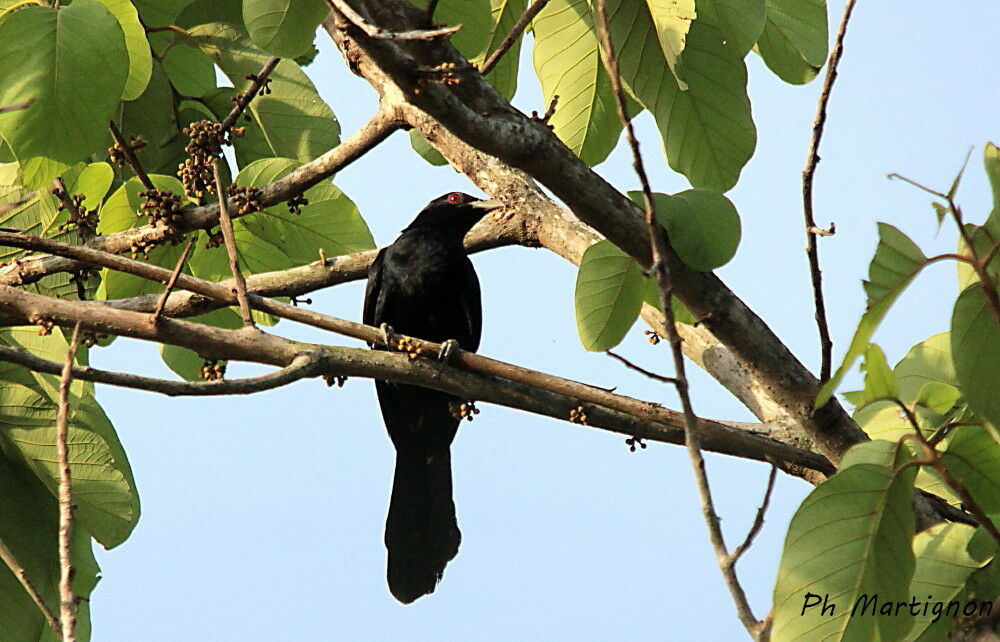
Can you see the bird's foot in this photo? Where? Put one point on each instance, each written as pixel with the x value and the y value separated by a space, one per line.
pixel 388 336
pixel 449 349
pixel 463 409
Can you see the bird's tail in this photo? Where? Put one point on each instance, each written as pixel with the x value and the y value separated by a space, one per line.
pixel 421 533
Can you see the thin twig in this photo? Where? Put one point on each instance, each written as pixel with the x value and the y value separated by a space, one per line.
pixel 306 365
pixel 812 250
pixel 22 576
pixel 130 157
pixel 376 32
pixel 515 33
pixel 173 279
pixel 174 28
pixel 659 249
pixel 640 369
pixel 17 106
pixel 758 520
pixel 226 225
pixel 243 99
pixel 68 600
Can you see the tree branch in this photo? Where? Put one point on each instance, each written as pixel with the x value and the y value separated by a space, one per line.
pixel 475 377
pixel 67 607
pixel 226 225
pixel 383 123
pixel 22 576
pixel 658 243
pixel 376 32
pixel 812 250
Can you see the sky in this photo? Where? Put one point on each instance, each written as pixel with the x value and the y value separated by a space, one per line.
pixel 262 516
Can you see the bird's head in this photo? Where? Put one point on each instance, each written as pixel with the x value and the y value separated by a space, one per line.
pixel 454 212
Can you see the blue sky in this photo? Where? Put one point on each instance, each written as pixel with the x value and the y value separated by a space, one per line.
pixel 263 516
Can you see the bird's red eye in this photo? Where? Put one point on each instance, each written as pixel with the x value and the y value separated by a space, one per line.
pixel 454 198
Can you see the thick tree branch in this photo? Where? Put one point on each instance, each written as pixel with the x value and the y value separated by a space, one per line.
pixel 476 114
pixel 477 377
pixel 382 124
pixel 67 602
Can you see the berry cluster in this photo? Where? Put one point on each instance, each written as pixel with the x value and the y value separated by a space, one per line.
pixel 161 206
pixel 202 150
pixel 464 410
pixel 632 442
pixel 117 155
pixel 296 203
pixel 653 337
pixel 213 371
pixel 44 327
pixel 337 380
pixel 84 220
pixel 410 347
pixel 578 416
pixel 247 199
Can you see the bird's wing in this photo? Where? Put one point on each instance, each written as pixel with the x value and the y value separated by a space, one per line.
pixel 472 305
pixel 374 297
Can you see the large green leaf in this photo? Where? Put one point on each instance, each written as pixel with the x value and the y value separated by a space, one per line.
pixel 292 120
pixel 424 149
pixel 190 71
pixel 942 569
pixel 741 21
pixel 152 116
pixel 880 381
pixel 103 487
pixel 975 348
pixel 707 130
pixel 73 63
pixel 276 239
pixel 897 260
pixel 29 530
pixel 794 41
pixel 283 27
pixel 927 362
pixel 568 64
pixel 849 539
pixel 93 182
pixel 672 19
pixel 140 60
pixel 703 225
pixel 504 75
pixel 609 294
pixel 156 13
pixel 973 458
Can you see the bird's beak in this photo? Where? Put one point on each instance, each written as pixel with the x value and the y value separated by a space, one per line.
pixel 492 204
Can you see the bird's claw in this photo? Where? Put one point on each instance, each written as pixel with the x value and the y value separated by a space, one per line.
pixel 387 335
pixel 449 349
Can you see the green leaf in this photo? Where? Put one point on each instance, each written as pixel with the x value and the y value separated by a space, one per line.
pixel 190 71
pixel 975 348
pixel 794 41
pixel 896 262
pixel 103 486
pixel 651 295
pixel 991 160
pixel 880 382
pixel 609 293
pixel 973 458
pixel 276 239
pixel 93 182
pixel 121 212
pixel 140 60
pixel 741 21
pixel 424 149
pixel 29 530
pixel 157 13
pixel 57 58
pixel 151 116
pixel 283 28
pixel 704 226
pixel 927 362
pixel 707 131
pixel 672 19
pixel 849 538
pixel 505 14
pixel 942 569
pixel 568 64
pixel 290 122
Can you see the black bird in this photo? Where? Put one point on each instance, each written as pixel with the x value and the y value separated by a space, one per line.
pixel 424 285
